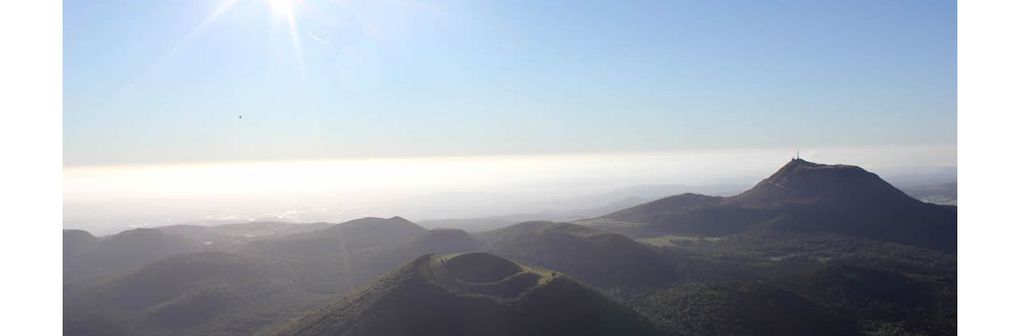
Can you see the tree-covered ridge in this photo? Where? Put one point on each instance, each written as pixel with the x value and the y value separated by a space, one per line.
pixel 772 277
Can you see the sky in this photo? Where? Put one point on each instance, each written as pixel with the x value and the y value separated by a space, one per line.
pixel 191 110
pixel 165 81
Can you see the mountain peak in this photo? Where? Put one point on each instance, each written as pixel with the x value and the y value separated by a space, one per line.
pixel 806 197
pixel 800 166
pixel 395 222
pixel 802 180
pixel 799 161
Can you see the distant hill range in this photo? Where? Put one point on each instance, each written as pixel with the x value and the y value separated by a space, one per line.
pixel 600 258
pixel 942 193
pixel 472 294
pixel 87 258
pixel 813 249
pixel 801 197
pixel 565 210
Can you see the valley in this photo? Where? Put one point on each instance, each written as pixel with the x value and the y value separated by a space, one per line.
pixel 813 249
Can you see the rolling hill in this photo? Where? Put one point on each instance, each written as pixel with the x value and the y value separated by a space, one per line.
pixel 595 257
pixel 800 197
pixel 262 281
pixel 338 258
pixel 813 249
pixel 76 242
pixel 343 238
pixel 471 294
pixel 193 293
pixel 87 258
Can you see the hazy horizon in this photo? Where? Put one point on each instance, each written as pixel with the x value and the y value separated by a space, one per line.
pixel 509 168
pixel 108 199
pixel 178 111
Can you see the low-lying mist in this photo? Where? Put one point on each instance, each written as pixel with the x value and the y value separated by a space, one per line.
pixel 108 199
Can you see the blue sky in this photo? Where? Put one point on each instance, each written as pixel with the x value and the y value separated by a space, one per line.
pixel 149 82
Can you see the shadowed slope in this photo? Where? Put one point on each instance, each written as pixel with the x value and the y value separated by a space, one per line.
pixel 163 280
pixel 194 293
pixel 803 197
pixel 750 308
pixel 341 257
pixel 880 298
pixel 471 294
pixel 77 242
pixel 219 293
pixel 121 252
pixel 342 238
pixel 599 258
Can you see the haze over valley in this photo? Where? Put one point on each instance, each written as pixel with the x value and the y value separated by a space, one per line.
pixel 812 249
pixel 109 199
pixel 490 168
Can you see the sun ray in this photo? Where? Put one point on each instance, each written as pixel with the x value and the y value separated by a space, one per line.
pixel 223 7
pixel 284 8
pixel 295 39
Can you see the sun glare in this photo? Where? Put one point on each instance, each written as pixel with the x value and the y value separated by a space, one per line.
pixel 282 7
